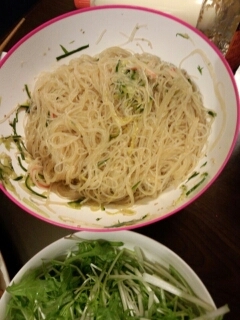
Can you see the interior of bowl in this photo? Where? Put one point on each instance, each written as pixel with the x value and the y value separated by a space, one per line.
pixel 138 30
pixel 153 251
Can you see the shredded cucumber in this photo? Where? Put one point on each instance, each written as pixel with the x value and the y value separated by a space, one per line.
pixel 102 280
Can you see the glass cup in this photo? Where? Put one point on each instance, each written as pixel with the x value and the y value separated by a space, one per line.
pixel 218 20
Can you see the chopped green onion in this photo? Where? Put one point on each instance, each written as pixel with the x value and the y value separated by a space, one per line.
pixel 68 53
pixel 76 204
pixel 193 175
pixel 117 66
pixel 200 69
pixel 204 175
pixel 27 90
pixel 204 164
pixel 134 188
pixel 64 49
pixel 212 113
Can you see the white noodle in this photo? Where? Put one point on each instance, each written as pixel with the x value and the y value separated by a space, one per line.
pixel 115 128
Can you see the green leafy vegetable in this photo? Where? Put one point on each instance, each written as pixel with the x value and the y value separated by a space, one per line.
pixel 117 66
pixel 101 280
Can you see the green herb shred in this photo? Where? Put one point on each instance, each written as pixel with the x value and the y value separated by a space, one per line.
pixel 68 53
pixel 195 174
pixel 204 177
pixel 27 91
pixel 200 69
pixel 134 188
pixel 76 204
pixel 64 49
pixel 204 164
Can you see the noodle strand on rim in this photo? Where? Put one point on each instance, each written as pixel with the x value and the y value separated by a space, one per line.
pixel 115 128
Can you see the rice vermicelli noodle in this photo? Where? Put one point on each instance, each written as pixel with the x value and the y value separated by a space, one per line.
pixel 115 127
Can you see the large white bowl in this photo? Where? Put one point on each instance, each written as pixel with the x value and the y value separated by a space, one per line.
pixel 101 27
pixel 153 250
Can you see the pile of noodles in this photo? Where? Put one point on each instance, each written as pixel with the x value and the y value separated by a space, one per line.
pixel 115 128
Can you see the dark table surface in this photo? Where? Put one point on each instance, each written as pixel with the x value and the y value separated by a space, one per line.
pixel 206 234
